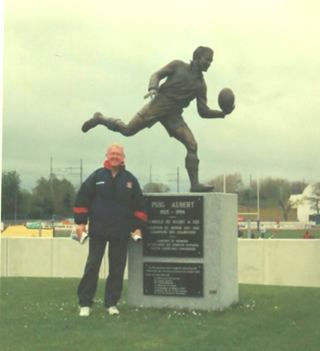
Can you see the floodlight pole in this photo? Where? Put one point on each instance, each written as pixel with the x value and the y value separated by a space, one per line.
pixel 178 181
pixel 81 171
pixel 177 175
pixel 258 202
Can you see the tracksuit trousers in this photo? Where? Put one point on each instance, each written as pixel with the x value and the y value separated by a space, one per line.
pixel 117 255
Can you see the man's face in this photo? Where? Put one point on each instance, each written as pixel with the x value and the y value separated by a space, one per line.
pixel 115 156
pixel 205 60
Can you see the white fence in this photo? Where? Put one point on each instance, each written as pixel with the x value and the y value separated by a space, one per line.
pixel 288 262
pixel 271 262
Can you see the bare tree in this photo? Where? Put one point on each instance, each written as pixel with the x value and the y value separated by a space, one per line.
pixel 314 199
pixel 286 206
pixel 232 182
pixel 156 188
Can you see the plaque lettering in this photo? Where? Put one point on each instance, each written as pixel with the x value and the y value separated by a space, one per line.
pixel 173 279
pixel 175 226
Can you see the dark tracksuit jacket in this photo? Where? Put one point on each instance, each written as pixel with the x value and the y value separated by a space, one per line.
pixel 114 207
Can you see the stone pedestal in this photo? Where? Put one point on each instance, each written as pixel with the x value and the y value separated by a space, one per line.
pixel 189 258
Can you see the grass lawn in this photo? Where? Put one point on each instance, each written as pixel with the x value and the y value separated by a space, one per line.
pixel 41 314
pixel 285 234
pixel 62 234
pixel 293 234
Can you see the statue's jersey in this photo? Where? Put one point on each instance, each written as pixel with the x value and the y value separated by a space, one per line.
pixel 183 85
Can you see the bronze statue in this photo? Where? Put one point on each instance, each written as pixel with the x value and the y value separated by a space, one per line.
pixel 184 83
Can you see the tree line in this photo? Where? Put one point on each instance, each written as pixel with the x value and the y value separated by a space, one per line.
pixel 49 199
pixel 270 192
pixel 53 197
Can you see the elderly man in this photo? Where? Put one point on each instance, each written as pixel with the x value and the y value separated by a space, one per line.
pixel 184 83
pixel 111 201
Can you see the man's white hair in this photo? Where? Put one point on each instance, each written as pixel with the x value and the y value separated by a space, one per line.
pixel 117 145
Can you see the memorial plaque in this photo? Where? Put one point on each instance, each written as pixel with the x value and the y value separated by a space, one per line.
pixel 175 226
pixel 173 279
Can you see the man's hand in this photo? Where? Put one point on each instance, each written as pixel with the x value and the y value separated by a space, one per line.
pixel 136 235
pixel 227 112
pixel 80 229
pixel 151 94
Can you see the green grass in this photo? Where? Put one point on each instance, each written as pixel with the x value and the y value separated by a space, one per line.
pixel 62 234
pixel 293 234
pixel 285 234
pixel 41 314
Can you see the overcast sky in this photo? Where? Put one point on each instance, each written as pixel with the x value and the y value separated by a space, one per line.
pixel 65 60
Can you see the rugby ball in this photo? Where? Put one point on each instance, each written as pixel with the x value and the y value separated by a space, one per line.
pixel 226 99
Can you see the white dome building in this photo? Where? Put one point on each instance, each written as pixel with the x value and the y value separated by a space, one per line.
pixel 303 205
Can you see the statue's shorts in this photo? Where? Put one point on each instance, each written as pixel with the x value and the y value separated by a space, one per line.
pixel 161 109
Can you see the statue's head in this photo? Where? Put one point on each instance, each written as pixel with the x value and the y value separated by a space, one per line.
pixel 202 58
pixel 200 51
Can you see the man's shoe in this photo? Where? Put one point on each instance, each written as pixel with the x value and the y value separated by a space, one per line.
pixel 92 122
pixel 85 311
pixel 113 311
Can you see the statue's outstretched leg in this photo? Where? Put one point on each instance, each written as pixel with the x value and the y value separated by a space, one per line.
pixel 192 166
pixel 115 124
pixel 97 119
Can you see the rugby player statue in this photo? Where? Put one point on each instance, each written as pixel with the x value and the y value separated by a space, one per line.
pixel 184 83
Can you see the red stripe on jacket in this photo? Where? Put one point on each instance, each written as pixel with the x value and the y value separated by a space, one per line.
pixel 80 210
pixel 141 215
